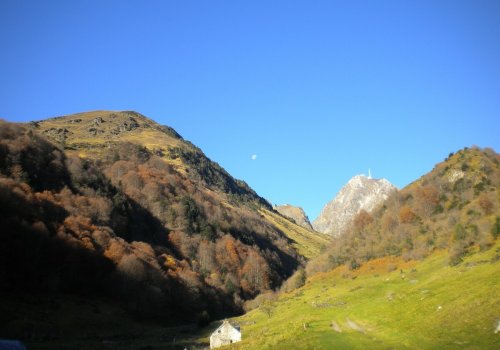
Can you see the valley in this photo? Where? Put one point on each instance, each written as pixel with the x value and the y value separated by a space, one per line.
pixel 249 175
pixel 118 233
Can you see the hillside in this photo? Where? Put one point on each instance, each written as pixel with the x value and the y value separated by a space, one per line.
pixel 307 243
pixel 297 214
pixel 360 193
pixel 93 134
pixel 455 206
pixel 388 303
pixel 112 206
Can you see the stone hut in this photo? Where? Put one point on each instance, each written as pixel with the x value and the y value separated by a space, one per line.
pixel 224 335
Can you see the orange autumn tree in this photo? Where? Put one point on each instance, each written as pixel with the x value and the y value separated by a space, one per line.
pixel 256 272
pixel 406 215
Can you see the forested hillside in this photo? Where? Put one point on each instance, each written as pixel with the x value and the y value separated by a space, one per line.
pixel 132 212
pixel 456 207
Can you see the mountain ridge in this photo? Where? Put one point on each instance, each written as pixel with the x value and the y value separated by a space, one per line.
pixel 87 134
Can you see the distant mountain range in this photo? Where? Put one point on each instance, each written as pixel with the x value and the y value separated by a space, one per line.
pixel 360 193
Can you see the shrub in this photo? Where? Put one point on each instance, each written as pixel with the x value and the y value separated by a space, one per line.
pixel 495 230
pixel 485 204
pixel 392 267
pixel 456 253
pixel 297 280
pixel 460 233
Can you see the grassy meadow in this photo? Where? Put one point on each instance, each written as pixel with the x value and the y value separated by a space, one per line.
pixel 386 304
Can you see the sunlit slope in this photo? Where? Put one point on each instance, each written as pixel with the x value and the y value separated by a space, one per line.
pixel 89 133
pixel 423 305
pixel 307 243
pixel 96 134
pixel 455 206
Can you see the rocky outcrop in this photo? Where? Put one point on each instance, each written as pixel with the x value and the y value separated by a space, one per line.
pixel 129 125
pixel 360 193
pixel 297 214
pixel 58 134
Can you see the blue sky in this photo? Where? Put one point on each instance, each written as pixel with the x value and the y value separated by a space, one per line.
pixel 319 91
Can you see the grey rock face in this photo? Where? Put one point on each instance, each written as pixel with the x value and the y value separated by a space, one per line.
pixel 297 214
pixel 360 193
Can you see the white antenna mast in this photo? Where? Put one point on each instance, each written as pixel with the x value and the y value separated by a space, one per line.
pixel 369 173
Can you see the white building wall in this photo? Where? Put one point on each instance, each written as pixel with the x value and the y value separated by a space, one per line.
pixel 224 335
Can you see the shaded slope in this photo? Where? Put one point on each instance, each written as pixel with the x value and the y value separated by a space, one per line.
pixel 79 234
pixel 169 238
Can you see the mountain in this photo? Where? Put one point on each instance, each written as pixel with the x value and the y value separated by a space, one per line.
pixel 93 135
pixel 297 214
pixel 454 207
pixel 118 210
pixel 360 193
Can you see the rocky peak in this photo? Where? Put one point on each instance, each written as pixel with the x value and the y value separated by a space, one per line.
pixel 297 214
pixel 360 193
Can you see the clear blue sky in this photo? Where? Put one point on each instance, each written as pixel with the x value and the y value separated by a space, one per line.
pixel 319 90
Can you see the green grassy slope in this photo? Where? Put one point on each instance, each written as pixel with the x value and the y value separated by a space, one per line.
pixel 419 305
